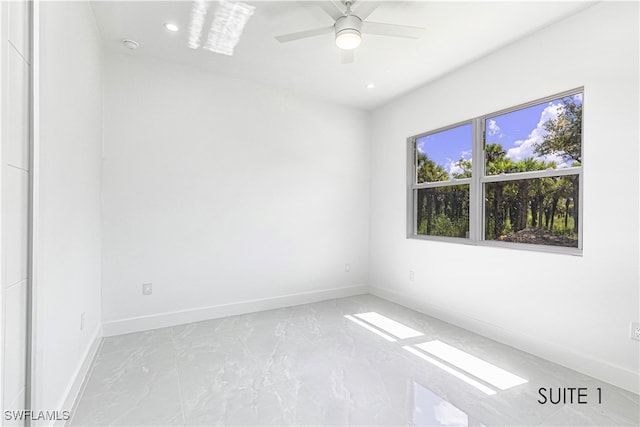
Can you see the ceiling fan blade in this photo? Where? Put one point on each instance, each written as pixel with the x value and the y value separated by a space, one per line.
pixel 392 30
pixel 331 9
pixel 365 8
pixel 346 56
pixel 304 34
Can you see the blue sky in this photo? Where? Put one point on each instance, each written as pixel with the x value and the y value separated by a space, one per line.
pixel 517 132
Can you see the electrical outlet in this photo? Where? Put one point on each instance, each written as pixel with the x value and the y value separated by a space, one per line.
pixel 82 321
pixel 634 332
pixel 147 288
pixel 412 276
pixel 347 268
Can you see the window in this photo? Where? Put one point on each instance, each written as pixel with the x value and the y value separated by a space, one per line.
pixel 511 178
pixel 443 177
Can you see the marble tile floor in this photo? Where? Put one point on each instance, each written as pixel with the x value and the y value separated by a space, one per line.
pixel 311 365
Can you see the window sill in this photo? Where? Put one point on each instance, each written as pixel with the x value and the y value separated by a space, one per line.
pixel 562 250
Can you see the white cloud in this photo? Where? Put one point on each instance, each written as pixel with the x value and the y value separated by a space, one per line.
pixel 451 165
pixel 494 129
pixel 525 148
pixel 454 168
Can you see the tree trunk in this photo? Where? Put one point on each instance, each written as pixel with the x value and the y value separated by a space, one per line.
pixel 575 210
pixel 534 212
pixel 554 206
pixel 513 213
pixel 498 213
pixel 522 205
pixel 429 212
pixel 540 210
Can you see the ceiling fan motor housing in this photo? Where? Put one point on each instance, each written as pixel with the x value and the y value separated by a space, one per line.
pixel 348 23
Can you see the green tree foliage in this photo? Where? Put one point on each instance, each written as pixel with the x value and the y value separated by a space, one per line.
pixel 548 204
pixel 496 162
pixel 442 211
pixel 564 134
pixel 430 171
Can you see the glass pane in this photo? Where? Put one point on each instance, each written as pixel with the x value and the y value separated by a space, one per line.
pixel 444 155
pixel 541 211
pixel 443 211
pixel 544 136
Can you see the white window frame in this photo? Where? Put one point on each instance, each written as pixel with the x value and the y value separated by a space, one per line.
pixel 479 179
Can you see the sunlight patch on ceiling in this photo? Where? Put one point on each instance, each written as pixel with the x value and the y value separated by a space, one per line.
pixel 198 14
pixel 229 20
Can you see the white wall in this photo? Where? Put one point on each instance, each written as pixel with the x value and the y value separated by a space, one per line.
pixel 68 179
pixel 222 192
pixel 573 310
pixel 16 175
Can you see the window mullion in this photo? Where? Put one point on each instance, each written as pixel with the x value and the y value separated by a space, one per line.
pixel 517 176
pixel 411 193
pixel 450 183
pixel 518 204
pixel 477 171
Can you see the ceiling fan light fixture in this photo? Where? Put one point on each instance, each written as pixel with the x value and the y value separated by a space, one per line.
pixel 348 27
pixel 348 39
pixel 348 32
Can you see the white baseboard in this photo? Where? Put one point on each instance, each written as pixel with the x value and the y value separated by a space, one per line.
pixel 174 318
pixel 74 388
pixel 562 355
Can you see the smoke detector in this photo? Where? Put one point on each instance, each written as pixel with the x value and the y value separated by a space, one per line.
pixel 130 44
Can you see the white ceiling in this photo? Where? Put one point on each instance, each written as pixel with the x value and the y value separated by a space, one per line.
pixel 456 34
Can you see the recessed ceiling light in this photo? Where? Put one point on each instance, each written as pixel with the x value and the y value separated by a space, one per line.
pixel 371 86
pixel 171 27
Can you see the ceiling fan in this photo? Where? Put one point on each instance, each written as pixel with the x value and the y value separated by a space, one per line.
pixel 350 25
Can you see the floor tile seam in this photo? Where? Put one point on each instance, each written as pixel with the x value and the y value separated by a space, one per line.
pixel 175 363
pixel 274 383
pixel 231 330
pixel 114 387
pixel 544 418
pixel 600 410
pixel 195 337
pixel 136 347
pixel 347 356
pixel 85 382
pixel 257 322
pixel 147 359
pixel 158 367
pixel 628 396
pixel 182 342
pixel 556 411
